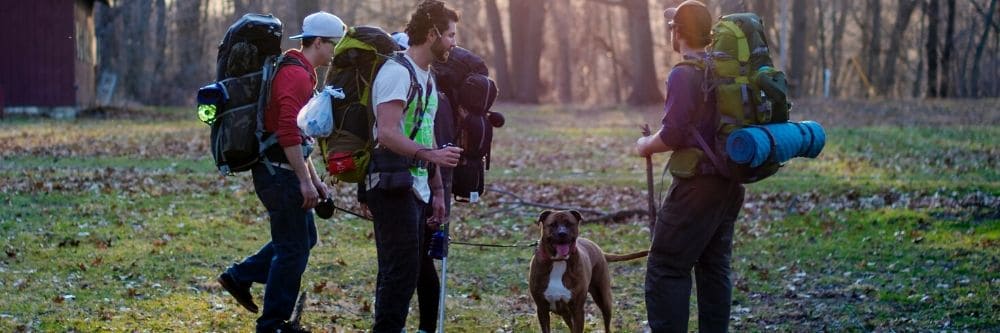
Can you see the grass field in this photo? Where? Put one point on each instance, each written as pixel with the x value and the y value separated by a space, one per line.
pixel 122 225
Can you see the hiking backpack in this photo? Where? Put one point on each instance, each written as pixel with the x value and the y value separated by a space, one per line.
pixel 249 56
pixel 357 59
pixel 464 79
pixel 749 91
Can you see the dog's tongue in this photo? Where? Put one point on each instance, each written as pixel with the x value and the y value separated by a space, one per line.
pixel 562 250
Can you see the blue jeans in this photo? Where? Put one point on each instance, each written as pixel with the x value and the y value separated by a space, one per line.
pixel 281 262
pixel 694 229
pixel 399 225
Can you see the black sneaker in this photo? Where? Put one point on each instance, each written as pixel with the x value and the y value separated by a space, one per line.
pixel 287 327
pixel 239 292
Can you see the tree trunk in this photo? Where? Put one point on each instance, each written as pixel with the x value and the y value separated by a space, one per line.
pixel 840 14
pixel 527 19
pixel 931 13
pixel 645 89
pixel 564 63
pixel 500 68
pixel 988 21
pixel 875 37
pixel 164 45
pixel 949 45
pixel 783 35
pixel 798 53
pixel 732 6
pixel 903 12
pixel 189 33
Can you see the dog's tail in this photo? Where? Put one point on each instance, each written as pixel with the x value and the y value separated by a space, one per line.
pixel 624 257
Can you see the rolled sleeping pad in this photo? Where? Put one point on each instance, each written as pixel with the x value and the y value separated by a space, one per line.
pixel 753 145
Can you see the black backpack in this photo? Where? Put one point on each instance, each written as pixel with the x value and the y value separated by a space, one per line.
pixel 464 79
pixel 249 56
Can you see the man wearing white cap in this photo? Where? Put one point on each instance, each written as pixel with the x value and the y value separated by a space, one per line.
pixel 289 187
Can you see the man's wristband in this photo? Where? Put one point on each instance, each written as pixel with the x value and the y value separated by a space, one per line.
pixel 418 151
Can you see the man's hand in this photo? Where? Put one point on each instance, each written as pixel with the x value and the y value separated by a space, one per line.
pixel 640 146
pixel 445 157
pixel 321 188
pixel 647 145
pixel 309 195
pixel 439 217
pixel 367 213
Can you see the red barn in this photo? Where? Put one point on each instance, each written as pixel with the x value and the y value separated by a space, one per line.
pixel 50 54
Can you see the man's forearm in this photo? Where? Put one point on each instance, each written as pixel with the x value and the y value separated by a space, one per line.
pixel 298 163
pixel 437 186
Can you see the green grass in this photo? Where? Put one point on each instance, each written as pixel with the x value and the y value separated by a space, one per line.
pixel 122 225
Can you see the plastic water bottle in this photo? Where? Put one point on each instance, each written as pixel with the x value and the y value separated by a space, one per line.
pixel 438 248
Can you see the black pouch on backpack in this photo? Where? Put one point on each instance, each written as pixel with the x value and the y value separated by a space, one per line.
pixel 393 171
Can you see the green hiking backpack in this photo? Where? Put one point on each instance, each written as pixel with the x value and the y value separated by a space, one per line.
pixel 357 59
pixel 749 90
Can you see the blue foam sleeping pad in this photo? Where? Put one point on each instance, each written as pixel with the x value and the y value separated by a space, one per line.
pixel 753 146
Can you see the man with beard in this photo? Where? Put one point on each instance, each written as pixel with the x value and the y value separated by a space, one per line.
pixel 404 131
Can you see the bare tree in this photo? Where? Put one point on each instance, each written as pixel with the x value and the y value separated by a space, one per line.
pixel 988 22
pixel 797 72
pixel 644 86
pixel 874 32
pixel 931 48
pixel 949 45
pixel 527 18
pixel 564 61
pixel 836 45
pixel 903 12
pixel 500 68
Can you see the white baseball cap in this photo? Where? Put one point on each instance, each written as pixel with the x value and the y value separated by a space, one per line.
pixel 322 24
pixel 402 39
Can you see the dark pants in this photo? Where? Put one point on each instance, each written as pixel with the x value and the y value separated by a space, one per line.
pixel 281 262
pixel 694 229
pixel 399 226
pixel 428 283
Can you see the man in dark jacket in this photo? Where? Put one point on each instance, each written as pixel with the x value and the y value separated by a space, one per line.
pixel 694 226
pixel 287 184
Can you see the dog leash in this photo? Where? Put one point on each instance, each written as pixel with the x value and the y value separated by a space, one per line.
pixel 515 245
pixel 533 244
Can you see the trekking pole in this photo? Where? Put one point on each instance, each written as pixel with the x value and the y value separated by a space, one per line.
pixel 300 305
pixel 439 250
pixel 649 185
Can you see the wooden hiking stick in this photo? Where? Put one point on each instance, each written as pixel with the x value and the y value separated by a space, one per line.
pixel 649 185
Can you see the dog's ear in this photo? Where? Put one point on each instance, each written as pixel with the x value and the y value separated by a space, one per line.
pixel 543 216
pixel 579 218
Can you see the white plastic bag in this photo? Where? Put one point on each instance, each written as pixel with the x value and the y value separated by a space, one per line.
pixel 316 117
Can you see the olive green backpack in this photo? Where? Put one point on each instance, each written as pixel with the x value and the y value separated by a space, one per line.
pixel 749 91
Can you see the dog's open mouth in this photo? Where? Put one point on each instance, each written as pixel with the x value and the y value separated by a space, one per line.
pixel 562 250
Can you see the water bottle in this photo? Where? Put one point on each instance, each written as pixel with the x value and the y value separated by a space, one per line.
pixel 438 248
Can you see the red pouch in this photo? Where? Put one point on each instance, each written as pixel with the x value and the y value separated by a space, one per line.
pixel 340 162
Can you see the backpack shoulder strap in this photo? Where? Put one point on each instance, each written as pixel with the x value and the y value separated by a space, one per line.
pixel 416 91
pixel 699 64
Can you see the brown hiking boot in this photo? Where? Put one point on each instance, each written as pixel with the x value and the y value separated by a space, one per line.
pixel 239 292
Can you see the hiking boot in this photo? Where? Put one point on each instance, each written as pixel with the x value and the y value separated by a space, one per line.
pixel 287 327
pixel 239 291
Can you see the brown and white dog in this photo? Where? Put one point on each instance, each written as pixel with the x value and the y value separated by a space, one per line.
pixel 565 267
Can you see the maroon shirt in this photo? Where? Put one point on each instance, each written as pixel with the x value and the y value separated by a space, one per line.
pixel 291 89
